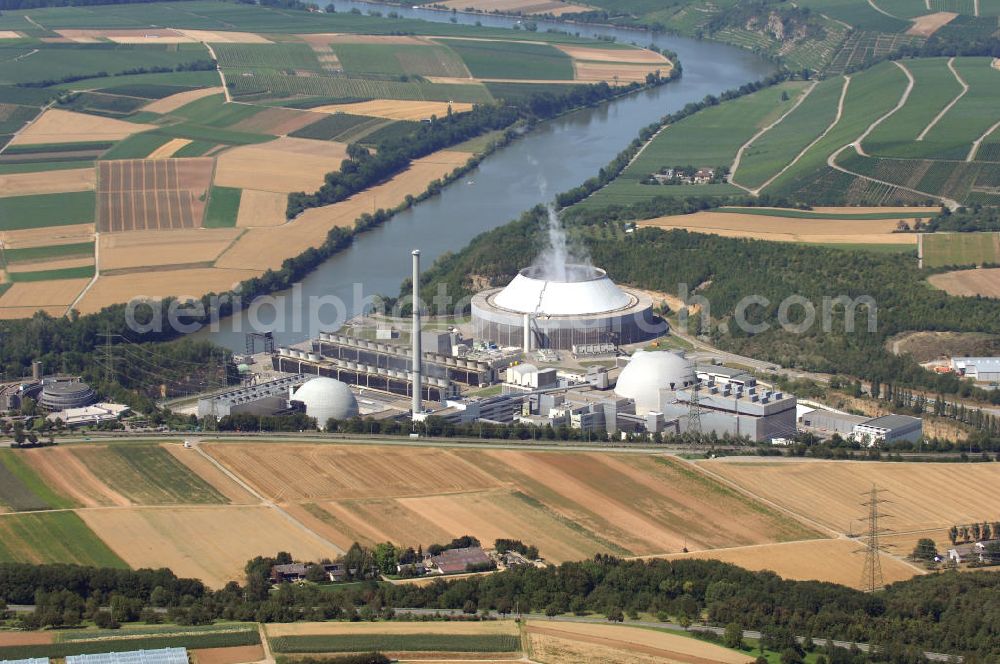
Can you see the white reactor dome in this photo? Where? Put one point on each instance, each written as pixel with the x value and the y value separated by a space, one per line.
pixel 649 372
pixel 585 290
pixel 325 398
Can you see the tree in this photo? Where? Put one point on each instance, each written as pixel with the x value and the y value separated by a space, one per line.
pixel 925 550
pixel 733 636
pixel 791 656
pixel 386 557
pixel 953 534
pixel 469 607
pixel 615 614
pixel 104 620
pixel 987 532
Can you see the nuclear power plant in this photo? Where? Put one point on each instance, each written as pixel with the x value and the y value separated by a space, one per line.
pixel 560 345
pixel 579 307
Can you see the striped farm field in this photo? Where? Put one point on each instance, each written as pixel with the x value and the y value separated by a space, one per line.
pixel 570 505
pixel 944 249
pixel 106 644
pixel 121 475
pixel 52 537
pixel 152 194
pixel 22 489
pixel 925 495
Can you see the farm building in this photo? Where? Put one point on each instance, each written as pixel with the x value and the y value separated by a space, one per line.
pixel 979 369
pixel 288 572
pixel 832 422
pixel 581 307
pixel 456 561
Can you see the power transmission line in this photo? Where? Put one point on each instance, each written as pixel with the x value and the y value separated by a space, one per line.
pixel 871 576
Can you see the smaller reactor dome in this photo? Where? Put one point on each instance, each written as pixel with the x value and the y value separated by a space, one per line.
pixel 649 372
pixel 325 398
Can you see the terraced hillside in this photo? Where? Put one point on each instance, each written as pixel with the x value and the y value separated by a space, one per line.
pixel 911 132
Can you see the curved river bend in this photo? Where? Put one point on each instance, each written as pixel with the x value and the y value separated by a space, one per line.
pixel 562 153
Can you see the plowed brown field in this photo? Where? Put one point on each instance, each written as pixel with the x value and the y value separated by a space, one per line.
pixel 152 194
pixel 571 505
pixel 985 282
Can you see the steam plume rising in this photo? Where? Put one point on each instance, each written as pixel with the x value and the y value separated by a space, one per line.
pixel 554 262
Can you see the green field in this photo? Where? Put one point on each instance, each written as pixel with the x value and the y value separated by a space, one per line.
pixel 935 86
pixel 99 103
pixel 46 210
pixel 136 146
pixel 490 59
pixel 947 249
pixel 250 85
pixel 149 475
pixel 809 214
pixel 223 207
pixel 196 148
pixel 974 113
pixel 43 253
pixel 22 490
pixel 213 111
pixel 400 59
pixel 193 640
pixel 334 127
pixel 777 148
pixel 52 537
pixel 708 138
pixel 13 117
pixel 428 642
pixel 82 272
pixel 53 62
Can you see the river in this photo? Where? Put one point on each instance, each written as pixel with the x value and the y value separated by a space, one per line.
pixel 562 153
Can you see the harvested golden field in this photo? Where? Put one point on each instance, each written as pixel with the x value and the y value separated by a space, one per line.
pixel 925 26
pixel 58 126
pixel 152 194
pixel 61 468
pixel 553 7
pixel 39 294
pixel 832 560
pixel 210 543
pixel 193 283
pixel 571 505
pixel 985 282
pixel 231 655
pixel 224 37
pixel 634 56
pixel 586 643
pixel 616 74
pixel 9 34
pixel 787 229
pixel 344 472
pixel 274 630
pixel 47 182
pixel 261 208
pixel 923 495
pixel 397 109
pixel 282 166
pixel 53 264
pixel 276 121
pixel 339 38
pixel 211 473
pixel 43 237
pixel 266 248
pixel 129 251
pixel 173 102
pixel 168 149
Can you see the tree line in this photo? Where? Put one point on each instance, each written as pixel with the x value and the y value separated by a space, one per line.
pixel 947 612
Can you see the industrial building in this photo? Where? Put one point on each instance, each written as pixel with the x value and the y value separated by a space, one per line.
pixel 979 369
pixel 586 311
pixel 869 431
pixel 98 413
pixel 62 394
pixel 261 399
pixel 324 399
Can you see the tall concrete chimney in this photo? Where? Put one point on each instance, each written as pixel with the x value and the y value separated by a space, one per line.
pixel 415 406
pixel 526 342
